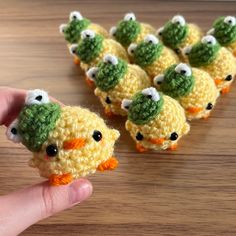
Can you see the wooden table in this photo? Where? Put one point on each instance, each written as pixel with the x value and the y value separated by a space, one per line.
pixel 188 192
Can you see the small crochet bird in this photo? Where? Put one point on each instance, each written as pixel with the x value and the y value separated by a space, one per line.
pixel 67 142
pixel 115 80
pixel 152 56
pixel 77 23
pixel 193 88
pixel 93 47
pixel 129 30
pixel 155 121
pixel 177 33
pixel 219 62
pixel 224 30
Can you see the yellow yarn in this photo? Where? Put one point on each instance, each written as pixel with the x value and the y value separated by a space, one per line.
pixel 109 46
pixel 145 29
pixel 232 47
pixel 135 80
pixel 98 29
pixel 204 92
pixel 76 122
pixel 221 67
pixel 170 119
pixel 166 59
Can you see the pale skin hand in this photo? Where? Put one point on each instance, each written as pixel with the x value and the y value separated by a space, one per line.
pixel 25 207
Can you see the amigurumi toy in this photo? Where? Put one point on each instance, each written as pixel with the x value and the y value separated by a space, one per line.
pixel 77 23
pixel 155 121
pixel 193 88
pixel 152 55
pixel 115 80
pixel 67 142
pixel 92 48
pixel 177 33
pixel 224 30
pixel 214 59
pixel 129 30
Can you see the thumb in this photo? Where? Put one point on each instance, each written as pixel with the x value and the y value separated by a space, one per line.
pixel 21 209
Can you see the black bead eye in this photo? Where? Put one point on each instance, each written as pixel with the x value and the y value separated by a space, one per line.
pixel 209 106
pixel 139 136
pixel 174 136
pixel 39 98
pixel 108 100
pixel 229 78
pixel 14 131
pixel 97 135
pixel 52 150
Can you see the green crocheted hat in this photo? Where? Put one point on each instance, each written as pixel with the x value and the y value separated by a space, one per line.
pixel 225 30
pixel 145 106
pixel 127 30
pixel 74 28
pixel 90 46
pixel 174 32
pixel 177 81
pixel 205 52
pixel 147 51
pixel 37 118
pixel 110 72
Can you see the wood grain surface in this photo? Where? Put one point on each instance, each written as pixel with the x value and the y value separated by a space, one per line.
pixel 188 192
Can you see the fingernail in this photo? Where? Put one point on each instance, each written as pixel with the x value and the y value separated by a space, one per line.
pixel 80 190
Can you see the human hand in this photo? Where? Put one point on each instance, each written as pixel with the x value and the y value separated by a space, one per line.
pixel 23 208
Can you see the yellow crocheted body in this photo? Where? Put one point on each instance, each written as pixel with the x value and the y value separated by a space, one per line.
pixel 194 35
pixel 109 46
pixel 166 59
pixel 221 67
pixel 145 29
pixel 232 47
pixel 135 80
pixel 76 122
pixel 98 29
pixel 203 93
pixel 170 119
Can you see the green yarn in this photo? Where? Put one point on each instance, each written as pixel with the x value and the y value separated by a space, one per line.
pixel 127 32
pixel 143 109
pixel 109 75
pixel 74 28
pixel 89 48
pixel 176 85
pixel 174 34
pixel 146 53
pixel 224 33
pixel 203 54
pixel 35 123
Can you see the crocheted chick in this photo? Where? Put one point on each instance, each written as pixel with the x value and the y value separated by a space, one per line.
pixel 155 121
pixel 224 30
pixel 77 23
pixel 216 60
pixel 129 30
pixel 93 47
pixel 177 33
pixel 67 142
pixel 115 80
pixel 152 56
pixel 193 88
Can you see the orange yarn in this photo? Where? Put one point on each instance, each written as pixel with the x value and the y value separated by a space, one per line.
pixel 76 61
pixel 110 164
pixel 194 110
pixel 76 143
pixel 173 147
pixel 140 148
pixel 217 81
pixel 158 141
pixel 57 180
pixel 225 90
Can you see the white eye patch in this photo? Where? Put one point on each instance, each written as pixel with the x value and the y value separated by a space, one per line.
pixel 108 58
pixel 187 50
pixel 151 93
pixel 178 20
pixel 209 39
pixel 230 20
pixel 150 38
pixel 12 132
pixel 73 49
pixel 75 15
pixel 87 34
pixel 183 69
pixel 129 16
pixel 125 104
pixel 62 28
pixel 113 30
pixel 36 96
pixel 132 48
pixel 158 79
pixel 92 72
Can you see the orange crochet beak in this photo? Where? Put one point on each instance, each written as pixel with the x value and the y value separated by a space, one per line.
pixel 73 144
pixel 158 141
pixel 217 81
pixel 194 110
